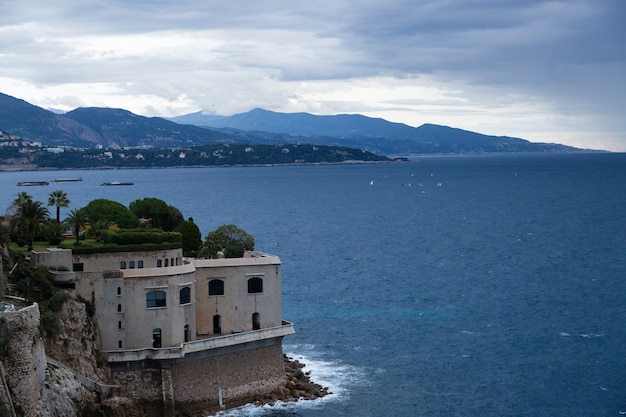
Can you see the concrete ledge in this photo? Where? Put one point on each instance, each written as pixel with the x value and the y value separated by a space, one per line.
pixel 287 328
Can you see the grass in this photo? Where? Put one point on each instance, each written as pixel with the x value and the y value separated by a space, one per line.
pixel 66 244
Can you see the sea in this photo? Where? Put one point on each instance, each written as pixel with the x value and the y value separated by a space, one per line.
pixel 442 286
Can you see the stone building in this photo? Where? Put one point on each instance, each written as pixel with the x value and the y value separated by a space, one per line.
pixel 182 336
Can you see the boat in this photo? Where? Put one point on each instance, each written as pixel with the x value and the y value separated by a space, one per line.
pixel 67 179
pixel 31 183
pixel 116 183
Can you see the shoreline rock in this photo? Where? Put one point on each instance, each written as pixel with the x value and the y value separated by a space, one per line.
pixel 298 386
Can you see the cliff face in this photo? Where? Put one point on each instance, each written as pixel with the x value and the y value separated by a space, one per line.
pixel 70 383
pixel 75 343
pixel 24 360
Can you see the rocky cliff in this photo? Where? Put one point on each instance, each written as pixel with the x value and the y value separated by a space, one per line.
pixel 66 383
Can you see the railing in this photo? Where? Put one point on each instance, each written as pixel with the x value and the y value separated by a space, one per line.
pixel 285 329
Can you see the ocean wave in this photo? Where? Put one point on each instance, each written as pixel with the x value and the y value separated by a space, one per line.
pixel 334 374
pixel 583 335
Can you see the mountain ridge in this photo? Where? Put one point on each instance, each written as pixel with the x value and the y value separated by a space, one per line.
pixel 90 127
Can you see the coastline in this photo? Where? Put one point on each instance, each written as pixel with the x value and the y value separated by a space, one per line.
pixel 297 387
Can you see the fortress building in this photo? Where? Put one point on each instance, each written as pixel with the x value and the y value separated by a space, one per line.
pixel 182 336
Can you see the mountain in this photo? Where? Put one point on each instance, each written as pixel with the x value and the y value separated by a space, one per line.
pixel 90 127
pixel 38 125
pixel 124 129
pixel 117 128
pixel 375 134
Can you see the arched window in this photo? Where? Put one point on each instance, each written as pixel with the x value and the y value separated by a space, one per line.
pixel 119 291
pixel 131 264
pixel 123 265
pixel 186 333
pixel 119 308
pixel 216 287
pixel 156 338
pixel 156 299
pixel 167 262
pixel 256 321
pixel 139 264
pixel 158 263
pixel 217 324
pixel 255 285
pixel 185 295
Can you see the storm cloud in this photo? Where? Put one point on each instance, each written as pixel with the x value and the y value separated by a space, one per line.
pixel 550 71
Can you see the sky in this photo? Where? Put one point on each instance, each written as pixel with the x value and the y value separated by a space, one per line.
pixel 545 71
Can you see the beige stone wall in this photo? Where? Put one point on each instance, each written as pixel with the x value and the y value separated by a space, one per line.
pixel 237 306
pixel 53 258
pixel 111 261
pixel 242 373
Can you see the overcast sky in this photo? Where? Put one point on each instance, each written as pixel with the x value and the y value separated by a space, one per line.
pixel 546 71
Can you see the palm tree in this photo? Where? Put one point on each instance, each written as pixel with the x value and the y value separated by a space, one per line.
pixel 59 199
pixel 30 216
pixel 77 219
pixel 22 197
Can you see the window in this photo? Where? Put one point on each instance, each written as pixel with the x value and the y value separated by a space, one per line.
pixel 158 263
pixel 185 295
pixel 123 265
pixel 131 264
pixel 156 338
pixel 119 344
pixel 255 285
pixel 216 287
pixel 139 264
pixel 119 291
pixel 119 308
pixel 78 267
pixel 155 299
pixel 217 324
pixel 166 262
pixel 256 321
pixel 186 333
pixel 119 325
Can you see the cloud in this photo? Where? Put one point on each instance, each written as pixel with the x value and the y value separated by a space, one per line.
pixel 542 70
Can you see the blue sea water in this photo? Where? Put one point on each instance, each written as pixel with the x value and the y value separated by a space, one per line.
pixel 445 286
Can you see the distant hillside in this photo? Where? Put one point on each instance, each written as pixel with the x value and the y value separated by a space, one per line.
pixel 124 129
pixel 89 127
pixel 38 125
pixel 373 133
pixel 118 128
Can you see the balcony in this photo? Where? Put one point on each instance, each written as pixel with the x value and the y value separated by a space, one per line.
pixel 217 342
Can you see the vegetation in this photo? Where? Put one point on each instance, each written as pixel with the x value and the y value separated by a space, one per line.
pixel 77 220
pixel 229 240
pixel 30 217
pixel 58 198
pixel 157 213
pixel 103 210
pixel 192 238
pixel 140 236
pixel 207 155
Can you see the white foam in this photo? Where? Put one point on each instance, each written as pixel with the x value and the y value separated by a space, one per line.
pixel 583 335
pixel 338 377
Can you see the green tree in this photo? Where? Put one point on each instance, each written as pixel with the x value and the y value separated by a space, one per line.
pixel 110 211
pixel 228 238
pixel 158 212
pixel 192 238
pixel 76 220
pixel 59 199
pixel 22 196
pixel 29 218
